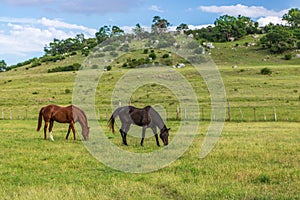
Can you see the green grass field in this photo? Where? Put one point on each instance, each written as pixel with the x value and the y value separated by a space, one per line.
pixel 256 157
pixel 250 161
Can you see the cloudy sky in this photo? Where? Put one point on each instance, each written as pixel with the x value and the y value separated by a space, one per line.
pixel 26 26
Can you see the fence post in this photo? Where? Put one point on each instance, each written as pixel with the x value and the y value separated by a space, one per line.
pixel 228 110
pixel 2 114
pixel 10 115
pixel 254 110
pixel 275 115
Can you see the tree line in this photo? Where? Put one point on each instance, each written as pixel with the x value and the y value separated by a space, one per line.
pixel 277 38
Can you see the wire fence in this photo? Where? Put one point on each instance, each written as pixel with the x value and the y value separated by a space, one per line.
pixel 233 114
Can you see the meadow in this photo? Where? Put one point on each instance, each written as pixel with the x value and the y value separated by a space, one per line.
pixel 250 161
pixel 256 157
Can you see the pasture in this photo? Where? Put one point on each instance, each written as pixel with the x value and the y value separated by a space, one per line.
pixel 256 157
pixel 250 161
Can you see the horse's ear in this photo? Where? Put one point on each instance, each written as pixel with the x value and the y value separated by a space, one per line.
pixel 169 129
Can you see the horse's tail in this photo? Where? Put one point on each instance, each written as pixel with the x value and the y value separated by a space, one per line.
pixel 111 121
pixel 40 119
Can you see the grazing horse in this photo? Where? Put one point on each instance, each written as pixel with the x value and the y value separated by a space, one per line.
pixel 70 114
pixel 146 117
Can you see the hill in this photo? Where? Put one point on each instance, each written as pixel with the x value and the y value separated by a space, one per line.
pixel 252 160
pixel 246 88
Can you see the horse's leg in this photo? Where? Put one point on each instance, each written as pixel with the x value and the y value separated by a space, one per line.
pixel 143 135
pixel 156 136
pixel 123 134
pixel 68 133
pixel 50 129
pixel 45 129
pixel 73 130
pixel 126 131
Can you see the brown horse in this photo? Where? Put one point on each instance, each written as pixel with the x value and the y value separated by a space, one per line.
pixel 146 117
pixel 70 114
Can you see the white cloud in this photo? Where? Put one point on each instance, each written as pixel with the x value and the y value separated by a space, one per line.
pixel 239 9
pixel 156 9
pixel 24 36
pixel 263 21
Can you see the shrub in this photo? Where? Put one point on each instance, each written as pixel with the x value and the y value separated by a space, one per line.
pixel 107 68
pixel 266 71
pixel 166 55
pixel 288 56
pixel 74 67
pixel 262 178
pixel 152 55
pixel 146 51
pixel 35 63
pixel 67 91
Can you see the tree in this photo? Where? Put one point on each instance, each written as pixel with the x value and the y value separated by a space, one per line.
pixel 103 34
pixel 227 26
pixel 278 39
pixel 116 31
pixel 3 66
pixel 182 27
pixel 159 25
pixel 139 31
pixel 292 17
pixel 106 32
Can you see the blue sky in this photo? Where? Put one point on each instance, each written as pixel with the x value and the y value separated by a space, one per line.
pixel 26 26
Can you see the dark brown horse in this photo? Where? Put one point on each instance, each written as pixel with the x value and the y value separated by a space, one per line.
pixel 146 117
pixel 70 114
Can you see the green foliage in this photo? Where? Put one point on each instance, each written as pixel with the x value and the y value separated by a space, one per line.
pixel 152 55
pixel 166 55
pixel 108 68
pixel 262 178
pixel 266 71
pixel 146 51
pixel 36 63
pixel 73 67
pixel 293 17
pixel 226 27
pixel 159 25
pixel 3 65
pixel 288 56
pixel 278 39
pixel 68 91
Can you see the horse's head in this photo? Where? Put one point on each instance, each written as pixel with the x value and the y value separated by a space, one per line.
pixel 164 136
pixel 85 133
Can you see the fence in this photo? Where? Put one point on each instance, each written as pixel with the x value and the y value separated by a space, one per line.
pixel 233 114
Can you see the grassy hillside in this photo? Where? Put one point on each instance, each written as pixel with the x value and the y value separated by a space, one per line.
pixel 252 160
pixel 246 88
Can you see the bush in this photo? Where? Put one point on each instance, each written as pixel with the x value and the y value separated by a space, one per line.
pixel 67 91
pixel 152 55
pixel 266 71
pixel 146 51
pixel 166 55
pixel 35 64
pixel 288 56
pixel 107 68
pixel 74 67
